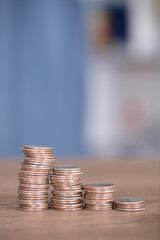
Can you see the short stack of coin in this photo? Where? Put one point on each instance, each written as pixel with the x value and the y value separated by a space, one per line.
pixel 99 196
pixel 130 204
pixel 34 178
pixel 67 193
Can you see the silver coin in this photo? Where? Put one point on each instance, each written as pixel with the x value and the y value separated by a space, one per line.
pixel 67 167
pixel 99 185
pixel 129 200
pixel 37 147
pixel 131 209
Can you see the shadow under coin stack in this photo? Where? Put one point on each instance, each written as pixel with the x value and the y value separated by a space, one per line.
pixel 67 193
pixel 99 196
pixel 34 178
pixel 130 204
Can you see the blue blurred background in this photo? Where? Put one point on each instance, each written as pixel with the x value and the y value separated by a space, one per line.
pixel 41 76
pixel 81 76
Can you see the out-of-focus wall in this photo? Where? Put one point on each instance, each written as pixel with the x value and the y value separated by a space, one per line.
pixel 122 114
pixel 41 75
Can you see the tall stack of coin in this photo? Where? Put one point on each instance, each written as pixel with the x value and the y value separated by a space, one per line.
pixel 99 196
pixel 67 193
pixel 34 178
pixel 130 204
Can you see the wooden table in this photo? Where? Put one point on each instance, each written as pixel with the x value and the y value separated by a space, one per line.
pixel 133 178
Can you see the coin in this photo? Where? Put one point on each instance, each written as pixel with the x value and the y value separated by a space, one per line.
pixel 99 207
pixel 99 186
pixel 129 201
pixel 65 201
pixel 37 147
pixel 35 208
pixel 131 209
pixel 68 194
pixel 67 168
pixel 65 209
pixel 76 206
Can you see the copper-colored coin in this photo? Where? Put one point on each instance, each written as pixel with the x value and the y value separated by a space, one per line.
pixel 99 186
pixel 57 201
pixel 41 158
pixel 33 208
pixel 34 187
pixel 33 201
pixel 40 150
pixel 98 208
pixel 37 166
pixel 33 182
pixel 34 154
pixel 99 204
pixel 66 183
pixel 33 177
pixel 129 201
pixel 30 197
pixel 35 173
pixel 72 175
pixel 67 168
pixel 63 177
pixel 97 195
pixel 71 180
pixel 38 153
pixel 34 170
pixel 98 192
pixel 67 186
pixel 33 192
pixel 39 162
pixel 37 147
pixel 130 206
pixel 27 203
pixel 74 190
pixel 39 170
pixel 96 201
pixel 66 194
pixel 131 209
pixel 65 209
pixel 74 205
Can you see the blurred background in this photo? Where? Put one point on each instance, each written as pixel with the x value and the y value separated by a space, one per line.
pixel 82 76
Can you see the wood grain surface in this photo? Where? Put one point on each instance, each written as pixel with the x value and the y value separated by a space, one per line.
pixel 132 177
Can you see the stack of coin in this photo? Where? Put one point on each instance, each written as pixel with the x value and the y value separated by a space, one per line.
pixel 130 204
pixel 99 196
pixel 67 193
pixel 34 178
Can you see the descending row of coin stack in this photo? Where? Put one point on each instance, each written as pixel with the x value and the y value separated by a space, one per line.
pixel 99 196
pixel 34 178
pixel 67 193
pixel 68 189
